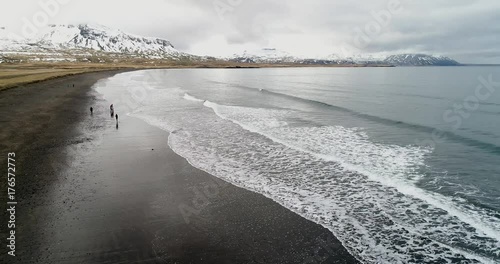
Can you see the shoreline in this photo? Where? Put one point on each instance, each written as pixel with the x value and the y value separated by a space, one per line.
pixel 38 122
pixel 122 194
pixel 75 69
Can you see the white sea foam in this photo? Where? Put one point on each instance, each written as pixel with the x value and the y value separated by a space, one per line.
pixel 363 191
pixel 391 165
pixel 191 98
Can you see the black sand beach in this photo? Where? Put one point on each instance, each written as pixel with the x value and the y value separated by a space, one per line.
pixel 91 192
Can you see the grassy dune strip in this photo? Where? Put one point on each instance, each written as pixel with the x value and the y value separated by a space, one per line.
pixel 7 82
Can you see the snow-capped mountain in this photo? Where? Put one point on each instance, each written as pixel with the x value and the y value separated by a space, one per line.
pixel 274 56
pixel 265 55
pixel 100 38
pixel 363 59
pixel 419 60
pixel 9 41
pixel 86 43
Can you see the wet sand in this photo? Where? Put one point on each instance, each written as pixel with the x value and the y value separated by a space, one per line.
pixel 91 192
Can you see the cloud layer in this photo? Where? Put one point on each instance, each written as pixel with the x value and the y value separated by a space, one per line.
pixel 467 30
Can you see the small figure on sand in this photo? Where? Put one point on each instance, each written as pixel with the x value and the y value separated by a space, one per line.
pixel 116 116
pixel 111 110
pixel 91 110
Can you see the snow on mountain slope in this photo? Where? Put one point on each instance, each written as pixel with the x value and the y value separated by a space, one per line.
pixel 419 60
pixel 265 55
pixel 86 43
pixel 5 35
pixel 104 39
pixel 9 41
pixel 357 58
pixel 274 56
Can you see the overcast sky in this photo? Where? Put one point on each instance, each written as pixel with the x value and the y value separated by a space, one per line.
pixel 467 30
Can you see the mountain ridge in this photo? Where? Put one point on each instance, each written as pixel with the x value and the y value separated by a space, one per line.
pixel 270 55
pixel 86 43
pixel 418 59
pixel 97 43
pixel 104 39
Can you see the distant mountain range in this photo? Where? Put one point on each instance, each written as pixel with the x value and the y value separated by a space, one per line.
pixel 419 60
pixel 95 43
pixel 274 56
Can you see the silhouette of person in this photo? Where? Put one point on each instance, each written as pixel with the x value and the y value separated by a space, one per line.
pixel 91 110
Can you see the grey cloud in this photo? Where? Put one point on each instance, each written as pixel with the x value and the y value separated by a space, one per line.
pixel 466 29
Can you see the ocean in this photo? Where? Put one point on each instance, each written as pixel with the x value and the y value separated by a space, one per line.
pixel 401 164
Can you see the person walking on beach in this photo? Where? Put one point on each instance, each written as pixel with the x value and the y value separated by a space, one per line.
pixel 111 110
pixel 91 110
